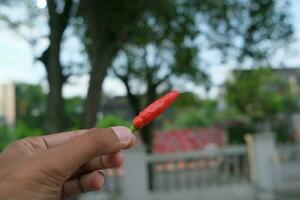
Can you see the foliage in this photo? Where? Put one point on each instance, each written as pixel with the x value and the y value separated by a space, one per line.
pixel 282 131
pixel 5 138
pixel 112 120
pixel 165 45
pixel 236 132
pixel 194 118
pixel 259 94
pixel 247 29
pixel 30 104
pixel 22 129
pixel 73 113
pixel 27 20
pixel 165 50
pixel 186 100
pixel 206 113
pixel 47 25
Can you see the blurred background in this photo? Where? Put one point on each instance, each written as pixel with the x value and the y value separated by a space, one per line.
pixel 234 132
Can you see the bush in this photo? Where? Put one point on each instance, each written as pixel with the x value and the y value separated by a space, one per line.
pixel 112 120
pixel 24 130
pixel 21 130
pixel 5 137
pixel 237 132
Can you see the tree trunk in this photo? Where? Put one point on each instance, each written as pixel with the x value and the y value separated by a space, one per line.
pixel 147 136
pixel 97 75
pixel 134 100
pixel 54 110
pixel 51 60
pixel 147 131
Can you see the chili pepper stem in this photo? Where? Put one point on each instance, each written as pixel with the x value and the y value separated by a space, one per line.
pixel 133 129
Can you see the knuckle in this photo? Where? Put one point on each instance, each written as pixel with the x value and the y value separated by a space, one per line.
pixel 19 143
pixel 22 141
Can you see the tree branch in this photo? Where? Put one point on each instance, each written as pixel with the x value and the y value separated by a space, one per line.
pixel 14 25
pixel 44 57
pixel 52 12
pixel 8 21
pixel 65 15
pixel 133 99
pixel 160 81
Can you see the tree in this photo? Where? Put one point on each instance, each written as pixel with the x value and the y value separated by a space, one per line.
pixel 154 77
pixel 165 48
pixel 251 30
pixel 57 14
pixel 160 52
pixel 260 94
pixel 109 24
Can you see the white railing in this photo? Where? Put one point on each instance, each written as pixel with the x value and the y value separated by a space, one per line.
pixel 198 169
pixel 189 170
pixel 289 152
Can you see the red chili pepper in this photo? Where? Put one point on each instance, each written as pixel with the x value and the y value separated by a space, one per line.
pixel 153 110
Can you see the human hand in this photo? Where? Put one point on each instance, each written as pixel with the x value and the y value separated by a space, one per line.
pixel 62 165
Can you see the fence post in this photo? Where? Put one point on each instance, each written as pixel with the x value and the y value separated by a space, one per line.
pixel 251 161
pixel 265 171
pixel 135 182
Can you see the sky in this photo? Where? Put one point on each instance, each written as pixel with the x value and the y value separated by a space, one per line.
pixel 16 63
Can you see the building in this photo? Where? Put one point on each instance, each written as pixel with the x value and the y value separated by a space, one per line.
pixel 7 105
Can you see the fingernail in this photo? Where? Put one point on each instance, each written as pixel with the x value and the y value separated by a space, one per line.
pixel 123 133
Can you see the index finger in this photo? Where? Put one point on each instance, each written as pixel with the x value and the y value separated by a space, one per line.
pixel 60 138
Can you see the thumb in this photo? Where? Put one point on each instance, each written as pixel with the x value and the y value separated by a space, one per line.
pixel 95 142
